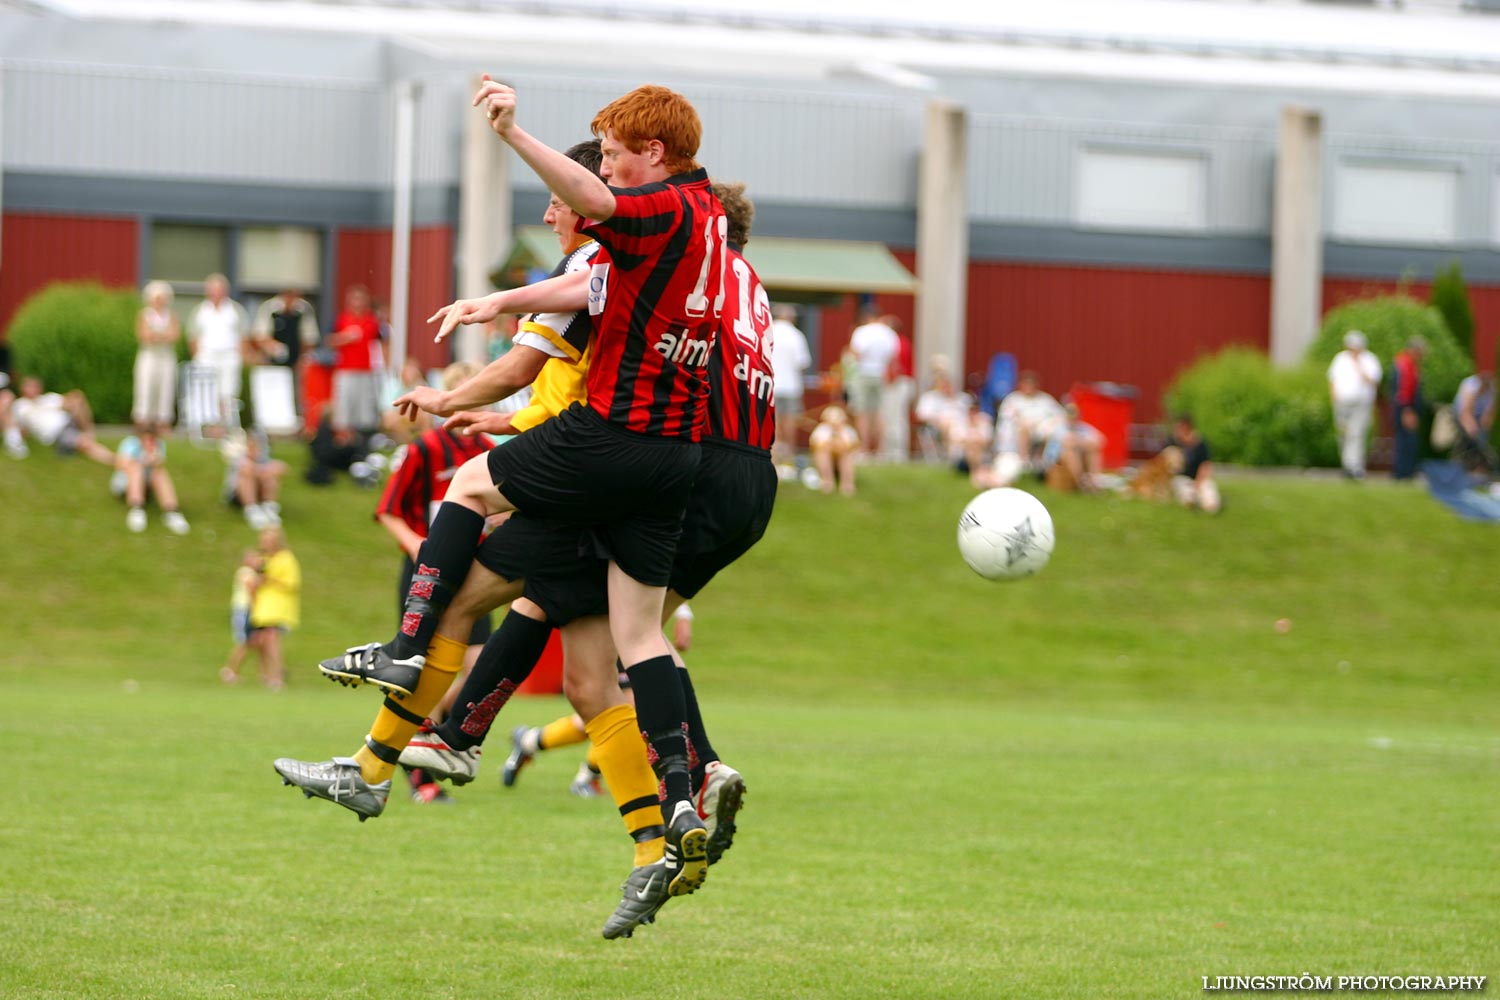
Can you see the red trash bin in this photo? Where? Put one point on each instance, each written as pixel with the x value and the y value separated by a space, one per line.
pixel 1110 409
pixel 546 676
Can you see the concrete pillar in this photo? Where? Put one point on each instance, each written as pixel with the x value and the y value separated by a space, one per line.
pixel 1297 236
pixel 942 239
pixel 401 218
pixel 484 221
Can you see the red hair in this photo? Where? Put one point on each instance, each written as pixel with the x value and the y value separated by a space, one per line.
pixel 653 112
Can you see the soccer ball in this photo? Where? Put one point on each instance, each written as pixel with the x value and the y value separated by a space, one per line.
pixel 1005 534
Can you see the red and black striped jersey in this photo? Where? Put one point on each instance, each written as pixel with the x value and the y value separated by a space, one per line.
pixel 423 470
pixel 742 387
pixel 656 292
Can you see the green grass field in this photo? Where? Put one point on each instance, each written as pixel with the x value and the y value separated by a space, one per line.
pixel 1108 781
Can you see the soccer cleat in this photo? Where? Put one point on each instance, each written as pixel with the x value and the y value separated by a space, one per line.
pixel 586 783
pixel 339 781
pixel 686 850
pixel 519 756
pixel 645 891
pixel 719 801
pixel 430 752
pixel 371 664
pixel 175 522
pixel 135 519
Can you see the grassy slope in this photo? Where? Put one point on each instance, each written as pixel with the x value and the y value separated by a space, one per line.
pixel 1106 781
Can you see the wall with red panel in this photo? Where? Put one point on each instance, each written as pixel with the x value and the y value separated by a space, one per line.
pixel 363 257
pixel 40 249
pixel 1485 300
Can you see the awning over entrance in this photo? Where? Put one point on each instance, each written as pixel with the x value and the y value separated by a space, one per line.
pixel 797 269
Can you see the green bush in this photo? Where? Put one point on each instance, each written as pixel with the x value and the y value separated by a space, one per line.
pixel 1387 323
pixel 1254 414
pixel 1450 297
pixel 80 336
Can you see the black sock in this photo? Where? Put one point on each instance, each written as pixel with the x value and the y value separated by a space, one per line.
pixel 659 709
pixel 442 564
pixel 506 660
pixel 701 752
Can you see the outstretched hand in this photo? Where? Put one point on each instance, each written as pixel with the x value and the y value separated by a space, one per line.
pixel 422 398
pixel 463 313
pixel 471 422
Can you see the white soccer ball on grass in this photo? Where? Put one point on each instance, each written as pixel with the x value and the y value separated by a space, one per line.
pixel 1005 534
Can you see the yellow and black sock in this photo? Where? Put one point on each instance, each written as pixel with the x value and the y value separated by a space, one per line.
pixel 398 721
pixel 560 733
pixel 621 756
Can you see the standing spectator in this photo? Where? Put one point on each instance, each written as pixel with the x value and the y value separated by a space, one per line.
pixel 1474 410
pixel 1353 378
pixel 65 422
pixel 276 607
pixel 143 459
pixel 874 346
pixel 285 327
pixel 1195 486
pixel 896 397
pixel 216 337
pixel 356 388
pixel 241 598
pixel 789 359
pixel 157 330
pixel 1406 405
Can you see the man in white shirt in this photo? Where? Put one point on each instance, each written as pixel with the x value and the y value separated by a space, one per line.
pixel 50 418
pixel 874 345
pixel 216 335
pixel 1027 420
pixel 943 415
pixel 1353 378
pixel 790 357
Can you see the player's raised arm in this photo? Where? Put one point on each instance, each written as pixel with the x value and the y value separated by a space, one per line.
pixel 575 184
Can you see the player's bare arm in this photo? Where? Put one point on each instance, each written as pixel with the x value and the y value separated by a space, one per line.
pixel 515 370
pixel 471 422
pixel 563 294
pixel 578 188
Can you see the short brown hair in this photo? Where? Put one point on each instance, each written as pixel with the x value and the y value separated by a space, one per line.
pixel 653 112
pixel 739 209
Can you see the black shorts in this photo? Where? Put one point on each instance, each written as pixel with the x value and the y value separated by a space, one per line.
pixel 630 489
pixel 563 575
pixel 483 626
pixel 727 514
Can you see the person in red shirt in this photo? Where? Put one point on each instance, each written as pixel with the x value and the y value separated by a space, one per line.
pixel 1406 407
pixel 356 388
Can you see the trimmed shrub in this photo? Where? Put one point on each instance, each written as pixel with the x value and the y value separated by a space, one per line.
pixel 80 336
pixel 1255 414
pixel 1388 322
pixel 1450 297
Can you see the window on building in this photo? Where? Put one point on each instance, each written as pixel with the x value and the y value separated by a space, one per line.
pixel 275 258
pixel 1395 203
pixel 184 255
pixel 1128 189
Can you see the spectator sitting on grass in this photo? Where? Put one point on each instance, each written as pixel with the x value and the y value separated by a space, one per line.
pixel 942 417
pixel 64 422
pixel 834 445
pixel 1195 487
pixel 253 479
pixel 1474 411
pixel 1071 457
pixel 1027 419
pixel 143 460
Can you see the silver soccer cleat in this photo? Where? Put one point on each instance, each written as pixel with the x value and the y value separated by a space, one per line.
pixel 338 780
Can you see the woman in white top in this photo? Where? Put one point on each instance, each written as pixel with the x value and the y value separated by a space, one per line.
pixel 216 335
pixel 157 329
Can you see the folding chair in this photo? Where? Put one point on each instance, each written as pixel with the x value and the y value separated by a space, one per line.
pixel 273 398
pixel 199 407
